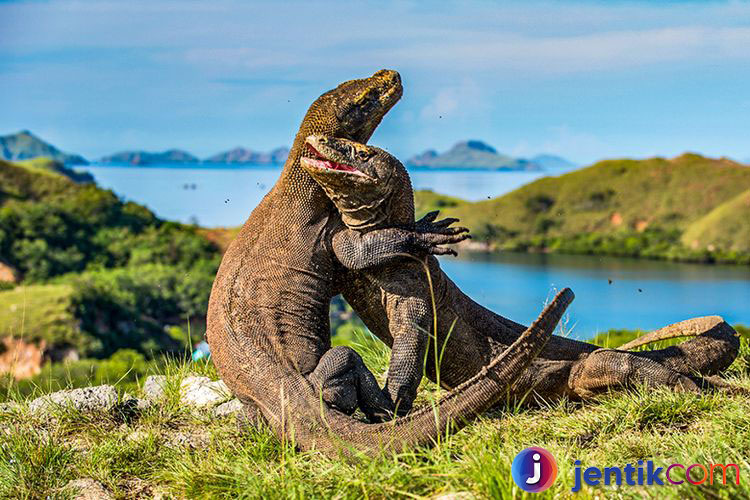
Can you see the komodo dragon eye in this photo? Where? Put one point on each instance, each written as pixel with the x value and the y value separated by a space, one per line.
pixel 363 155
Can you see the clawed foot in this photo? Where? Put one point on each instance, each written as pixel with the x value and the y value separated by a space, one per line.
pixel 430 234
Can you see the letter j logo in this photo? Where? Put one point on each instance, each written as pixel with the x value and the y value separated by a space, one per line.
pixel 534 469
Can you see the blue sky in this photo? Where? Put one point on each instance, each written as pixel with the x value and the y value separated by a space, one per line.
pixel 586 80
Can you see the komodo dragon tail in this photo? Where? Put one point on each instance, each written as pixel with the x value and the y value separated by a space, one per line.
pixel 688 328
pixel 714 347
pixel 295 410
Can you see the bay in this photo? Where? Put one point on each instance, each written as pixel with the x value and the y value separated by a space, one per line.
pixel 225 195
pixel 642 294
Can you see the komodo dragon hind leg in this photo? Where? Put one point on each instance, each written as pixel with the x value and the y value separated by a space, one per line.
pixel 713 348
pixel 249 417
pixel 345 383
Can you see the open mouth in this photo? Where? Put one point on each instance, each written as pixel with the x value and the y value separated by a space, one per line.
pixel 315 158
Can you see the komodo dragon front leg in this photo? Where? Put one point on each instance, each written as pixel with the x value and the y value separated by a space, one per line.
pixel 344 380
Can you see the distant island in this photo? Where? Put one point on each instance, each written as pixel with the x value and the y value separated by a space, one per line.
pixel 243 155
pixel 238 155
pixel 471 154
pixel 554 163
pixel 474 154
pixel 24 145
pixel 146 158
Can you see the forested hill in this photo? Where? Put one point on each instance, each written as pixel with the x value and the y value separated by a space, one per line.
pixel 689 207
pixel 99 274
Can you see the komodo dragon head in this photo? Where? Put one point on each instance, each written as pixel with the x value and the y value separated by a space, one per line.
pixel 369 186
pixel 354 108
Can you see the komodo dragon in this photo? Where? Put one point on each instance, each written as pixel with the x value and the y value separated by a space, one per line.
pixel 268 312
pixel 373 191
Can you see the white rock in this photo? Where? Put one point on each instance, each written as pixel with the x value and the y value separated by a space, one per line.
pixel 202 392
pixel 187 439
pixel 229 408
pixel 9 407
pixel 86 399
pixel 153 387
pixel 87 489
pixel 137 436
pixel 459 495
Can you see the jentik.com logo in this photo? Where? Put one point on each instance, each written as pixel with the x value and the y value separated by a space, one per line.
pixel 534 469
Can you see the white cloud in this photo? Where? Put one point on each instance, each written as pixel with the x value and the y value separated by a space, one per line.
pixel 577 53
pixel 453 101
pixel 563 140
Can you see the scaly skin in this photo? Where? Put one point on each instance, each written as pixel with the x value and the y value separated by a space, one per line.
pixel 268 312
pixel 385 296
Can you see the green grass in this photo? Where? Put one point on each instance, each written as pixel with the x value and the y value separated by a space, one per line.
pixel 176 452
pixel 39 312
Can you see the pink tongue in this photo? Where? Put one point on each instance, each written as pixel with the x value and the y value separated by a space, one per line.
pixel 341 166
pixel 332 165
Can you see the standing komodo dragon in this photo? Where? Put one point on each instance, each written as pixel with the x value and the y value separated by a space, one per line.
pixel 268 312
pixel 372 191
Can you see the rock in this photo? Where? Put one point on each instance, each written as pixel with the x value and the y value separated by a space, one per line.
pixel 7 273
pixel 143 404
pixel 137 436
pixel 187 439
pixel 9 407
pixel 202 392
pixel 153 387
pixel 86 399
pixel 229 408
pixel 87 489
pixel 460 495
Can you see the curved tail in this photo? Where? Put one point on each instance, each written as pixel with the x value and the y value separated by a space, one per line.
pixel 688 328
pixel 295 410
pixel 714 346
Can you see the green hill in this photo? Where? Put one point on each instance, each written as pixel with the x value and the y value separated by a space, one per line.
pixel 118 274
pixel 42 312
pixel 42 163
pixel 471 154
pixel 24 145
pixel 648 208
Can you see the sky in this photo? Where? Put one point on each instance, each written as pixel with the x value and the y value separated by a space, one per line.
pixel 583 79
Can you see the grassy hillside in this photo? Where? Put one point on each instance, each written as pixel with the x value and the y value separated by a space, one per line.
pixel 28 181
pixel 624 207
pixel 42 312
pixel 427 201
pixel 44 164
pixel 726 227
